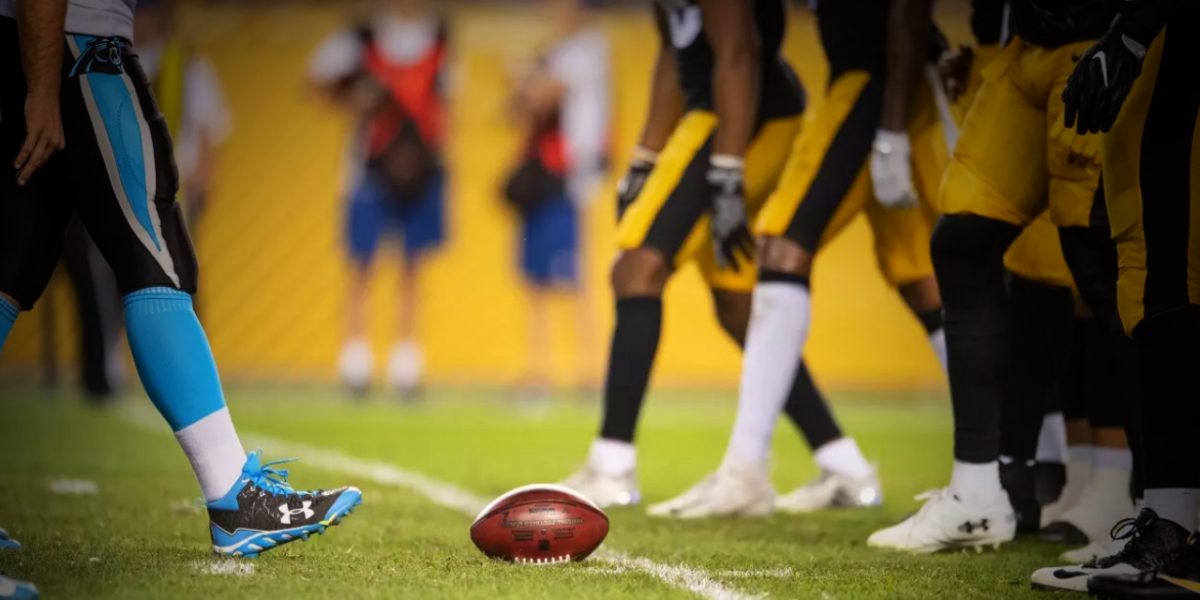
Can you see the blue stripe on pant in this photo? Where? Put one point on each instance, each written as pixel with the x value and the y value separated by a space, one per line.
pixel 118 108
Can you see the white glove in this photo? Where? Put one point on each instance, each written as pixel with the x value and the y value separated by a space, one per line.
pixel 891 169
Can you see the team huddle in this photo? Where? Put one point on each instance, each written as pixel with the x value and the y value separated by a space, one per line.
pixel 979 172
pixel 1034 201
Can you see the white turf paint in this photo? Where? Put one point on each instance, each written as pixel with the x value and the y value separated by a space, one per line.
pixel 453 497
pixel 780 573
pixel 74 487
pixel 227 567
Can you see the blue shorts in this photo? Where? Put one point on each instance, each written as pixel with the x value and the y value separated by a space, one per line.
pixel 371 214
pixel 550 244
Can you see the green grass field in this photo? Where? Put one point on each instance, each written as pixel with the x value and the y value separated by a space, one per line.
pixel 142 534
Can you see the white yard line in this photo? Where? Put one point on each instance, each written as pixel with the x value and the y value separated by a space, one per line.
pixel 448 495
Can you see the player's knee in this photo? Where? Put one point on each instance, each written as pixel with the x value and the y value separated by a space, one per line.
pixel 639 272
pixel 733 313
pixel 782 255
pixel 968 257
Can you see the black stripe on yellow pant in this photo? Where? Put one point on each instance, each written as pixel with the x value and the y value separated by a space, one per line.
pixel 670 214
pixel 825 163
pixel 826 182
pixel 1151 160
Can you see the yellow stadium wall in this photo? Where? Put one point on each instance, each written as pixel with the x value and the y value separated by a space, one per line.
pixel 273 268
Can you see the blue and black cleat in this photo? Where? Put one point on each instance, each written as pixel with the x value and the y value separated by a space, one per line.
pixel 13 589
pixel 7 543
pixel 263 512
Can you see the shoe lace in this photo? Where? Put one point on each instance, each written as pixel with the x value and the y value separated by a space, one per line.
pixel 930 498
pixel 1136 551
pixel 272 480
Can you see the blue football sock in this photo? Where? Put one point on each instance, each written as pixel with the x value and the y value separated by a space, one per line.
pixel 172 355
pixel 8 316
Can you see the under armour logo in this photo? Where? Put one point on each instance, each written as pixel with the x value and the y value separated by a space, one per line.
pixel 289 512
pixel 970 527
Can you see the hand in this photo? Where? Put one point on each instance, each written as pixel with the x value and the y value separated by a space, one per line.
pixel 955 70
pixel 631 184
pixel 891 169
pixel 732 243
pixel 1100 82
pixel 43 137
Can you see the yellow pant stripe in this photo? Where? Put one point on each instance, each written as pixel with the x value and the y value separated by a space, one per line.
pixel 688 138
pixel 821 126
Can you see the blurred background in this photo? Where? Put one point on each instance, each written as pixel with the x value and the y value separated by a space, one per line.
pixel 268 140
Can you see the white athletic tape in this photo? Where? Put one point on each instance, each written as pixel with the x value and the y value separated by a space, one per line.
pixel 448 495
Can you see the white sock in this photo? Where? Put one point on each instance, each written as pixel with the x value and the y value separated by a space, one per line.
pixel 356 362
pixel 1112 458
pixel 1052 440
pixel 937 341
pixel 212 446
pixel 1080 453
pixel 612 457
pixel 774 340
pixel 976 483
pixel 843 457
pixel 1177 505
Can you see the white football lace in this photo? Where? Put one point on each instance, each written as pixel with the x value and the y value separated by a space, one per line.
pixel 541 562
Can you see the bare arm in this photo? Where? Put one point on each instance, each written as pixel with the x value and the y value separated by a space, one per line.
pixel 40 25
pixel 729 25
pixel 666 98
pixel 909 23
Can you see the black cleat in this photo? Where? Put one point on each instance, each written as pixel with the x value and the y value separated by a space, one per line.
pixel 1169 559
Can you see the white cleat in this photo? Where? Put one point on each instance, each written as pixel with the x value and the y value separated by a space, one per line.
pixel 734 490
pixel 945 522
pixel 1094 550
pixel 605 490
pixel 832 490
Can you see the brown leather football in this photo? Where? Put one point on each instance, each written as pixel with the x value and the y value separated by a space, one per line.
pixel 540 524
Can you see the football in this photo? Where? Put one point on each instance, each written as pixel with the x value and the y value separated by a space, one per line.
pixel 540 524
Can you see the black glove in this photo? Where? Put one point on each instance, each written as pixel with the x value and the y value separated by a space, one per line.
pixel 732 243
pixel 1105 73
pixel 631 184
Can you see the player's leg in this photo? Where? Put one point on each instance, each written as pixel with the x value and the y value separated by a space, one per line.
pixel 819 192
pixel 98 308
pixel 422 220
pixel 650 234
pixel 130 211
pixel 1150 165
pixel 549 263
pixel 1042 308
pixel 1076 206
pixel 365 218
pixel 995 185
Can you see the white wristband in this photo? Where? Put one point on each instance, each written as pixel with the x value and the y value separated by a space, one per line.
pixel 728 161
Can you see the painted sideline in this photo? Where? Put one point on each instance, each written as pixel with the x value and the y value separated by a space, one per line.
pixel 455 498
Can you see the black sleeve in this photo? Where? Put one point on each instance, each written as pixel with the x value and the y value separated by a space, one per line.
pixel 987 21
pixel 661 24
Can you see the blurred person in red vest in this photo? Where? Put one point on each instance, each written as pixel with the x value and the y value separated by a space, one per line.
pixel 388 72
pixel 562 101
